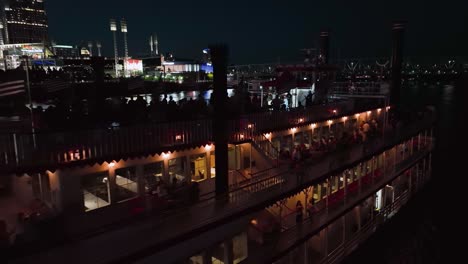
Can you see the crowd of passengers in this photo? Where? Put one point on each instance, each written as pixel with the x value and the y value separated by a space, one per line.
pixel 86 114
pixel 324 144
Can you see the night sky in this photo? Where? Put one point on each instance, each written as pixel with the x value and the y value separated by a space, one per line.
pixel 262 31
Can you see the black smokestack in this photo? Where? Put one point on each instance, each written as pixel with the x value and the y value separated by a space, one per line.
pixel 219 58
pixel 98 63
pixel 324 46
pixel 398 30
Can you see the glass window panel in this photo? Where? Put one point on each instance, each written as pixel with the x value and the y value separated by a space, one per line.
pixel 212 164
pixel 286 143
pixel 333 130
pixel 232 157
pixel 380 159
pixel 177 170
pixel 95 188
pixel 317 133
pixel 358 171
pixel 334 183
pixel 152 174
pixel 325 133
pixel 341 180
pixel 198 167
pixel 217 256
pixel 197 259
pixel 127 184
pixel 276 142
pixel 316 193
pixel 323 190
pixel 41 186
pixel 35 183
pixel 240 249
pixel 353 123
pixel 349 176
pixel 307 137
pixel 45 187
pixel 369 166
pixel 298 137
pixel 340 129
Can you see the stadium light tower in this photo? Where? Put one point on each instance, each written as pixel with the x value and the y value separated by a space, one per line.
pixel 156 44
pixel 113 28
pixel 99 46
pixel 151 45
pixel 90 48
pixel 124 30
pixel 1 33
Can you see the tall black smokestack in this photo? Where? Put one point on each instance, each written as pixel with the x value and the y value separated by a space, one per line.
pixel 324 46
pixel 219 58
pixel 98 64
pixel 398 30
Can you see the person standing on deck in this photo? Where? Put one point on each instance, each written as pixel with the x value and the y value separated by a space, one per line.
pixel 299 212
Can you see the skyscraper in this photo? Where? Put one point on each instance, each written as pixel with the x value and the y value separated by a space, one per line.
pixel 25 21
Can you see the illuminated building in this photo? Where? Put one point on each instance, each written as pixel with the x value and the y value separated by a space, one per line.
pixel 180 66
pixel 12 53
pixel 133 67
pixel 65 51
pixel 24 21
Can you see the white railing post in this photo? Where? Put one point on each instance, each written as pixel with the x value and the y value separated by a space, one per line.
pixel 425 138
pixel 359 179
pixel 345 188
pixel 410 180
pixel 328 196
pixel 15 142
pixel 344 229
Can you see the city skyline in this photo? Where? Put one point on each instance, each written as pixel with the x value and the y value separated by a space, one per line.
pixel 254 33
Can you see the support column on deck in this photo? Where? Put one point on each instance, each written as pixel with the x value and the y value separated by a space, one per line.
pixel 343 218
pixel 305 253
pixel 206 256
pixel 384 196
pixel 111 184
pixel 228 252
pixel 165 172
pixel 345 188
pixel 398 30
pixel 358 217
pixel 71 200
pixel 410 182
pixel 325 250
pixel 359 179
pixel 429 168
pixel 219 56
pixel 418 173
pixel 328 190
pixel 140 180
